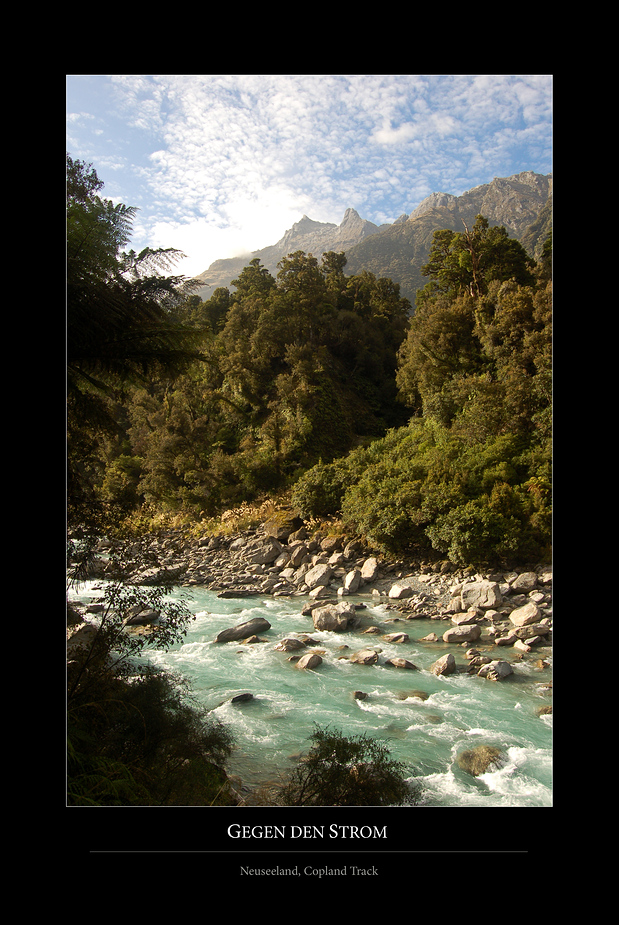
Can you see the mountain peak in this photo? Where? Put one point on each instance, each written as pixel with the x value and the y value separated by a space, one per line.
pixel 514 202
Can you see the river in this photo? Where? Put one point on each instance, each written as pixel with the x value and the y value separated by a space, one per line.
pixel 424 720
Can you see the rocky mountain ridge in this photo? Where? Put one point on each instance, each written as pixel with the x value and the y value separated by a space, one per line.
pixel 520 203
pixel 305 235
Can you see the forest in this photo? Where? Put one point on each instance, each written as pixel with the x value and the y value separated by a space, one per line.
pixel 423 428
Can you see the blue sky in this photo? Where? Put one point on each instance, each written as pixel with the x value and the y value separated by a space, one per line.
pixel 223 164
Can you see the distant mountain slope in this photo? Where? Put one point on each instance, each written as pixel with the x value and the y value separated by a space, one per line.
pixel 522 204
pixel 306 235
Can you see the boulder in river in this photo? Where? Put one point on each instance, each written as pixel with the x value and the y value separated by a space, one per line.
pixel 365 657
pixel 332 617
pixel 396 637
pixel 401 663
pixel 478 760
pixel 466 633
pixel 243 630
pixel 290 644
pixel 309 660
pixel 446 664
pixel 495 670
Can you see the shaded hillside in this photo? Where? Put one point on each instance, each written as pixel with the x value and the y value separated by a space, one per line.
pixel 521 204
pixel 398 251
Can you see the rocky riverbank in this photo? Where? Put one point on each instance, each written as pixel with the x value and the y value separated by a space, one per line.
pixel 487 622
pixel 283 557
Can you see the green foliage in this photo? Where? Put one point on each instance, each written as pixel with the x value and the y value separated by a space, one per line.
pixel 119 327
pixel 307 382
pixel 468 261
pixel 293 370
pixel 141 740
pixel 423 489
pixel 346 771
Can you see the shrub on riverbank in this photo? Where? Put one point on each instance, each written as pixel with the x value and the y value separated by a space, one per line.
pixel 140 741
pixel 346 771
pixel 423 488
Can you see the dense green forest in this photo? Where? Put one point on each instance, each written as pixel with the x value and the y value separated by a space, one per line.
pixel 423 428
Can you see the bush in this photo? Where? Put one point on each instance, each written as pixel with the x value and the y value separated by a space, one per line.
pixel 319 492
pixel 141 741
pixel 346 771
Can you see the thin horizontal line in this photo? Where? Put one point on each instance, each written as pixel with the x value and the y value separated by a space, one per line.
pixel 302 851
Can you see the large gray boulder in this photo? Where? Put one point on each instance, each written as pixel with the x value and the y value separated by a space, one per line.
pixel 352 581
pixel 318 576
pixel 369 569
pixel 466 633
pixel 262 550
pixel 244 630
pixel 522 616
pixel 401 589
pixel 445 665
pixel 332 617
pixel 309 661
pixel 365 657
pixel 524 583
pixel 401 663
pixel 482 593
pixel 495 670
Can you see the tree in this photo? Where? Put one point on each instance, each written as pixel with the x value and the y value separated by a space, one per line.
pixel 119 326
pixel 346 771
pixel 467 261
pixel 254 279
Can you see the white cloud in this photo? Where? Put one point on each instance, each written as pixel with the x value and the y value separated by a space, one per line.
pixel 223 163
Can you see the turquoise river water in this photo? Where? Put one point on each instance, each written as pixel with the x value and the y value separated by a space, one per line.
pixel 424 720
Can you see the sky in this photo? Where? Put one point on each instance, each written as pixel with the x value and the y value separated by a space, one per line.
pixel 219 165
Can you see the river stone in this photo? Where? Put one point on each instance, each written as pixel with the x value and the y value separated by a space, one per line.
pixel 289 644
pixel 463 619
pixel 243 630
pixel 401 663
pixel 508 640
pixel 310 660
pixel 396 637
pixel 352 581
pixel 332 617
pixel 446 664
pixel 478 760
pixel 262 550
pixel 365 657
pixel 369 569
pixel 532 629
pixel 495 670
pixel 297 554
pixel 481 593
pixel 319 576
pixel 400 590
pixel 525 582
pixel 522 616
pixel 467 633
